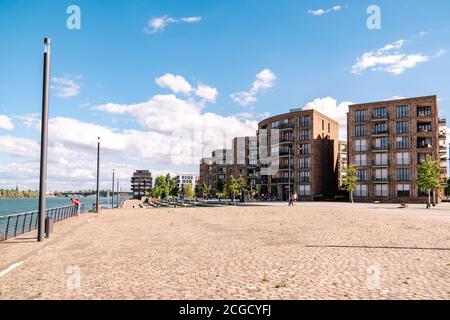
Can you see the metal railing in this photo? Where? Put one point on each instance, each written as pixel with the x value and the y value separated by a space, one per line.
pixel 16 224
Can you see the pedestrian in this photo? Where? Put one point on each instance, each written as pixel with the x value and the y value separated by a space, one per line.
pixel 291 199
pixel 76 202
pixel 295 198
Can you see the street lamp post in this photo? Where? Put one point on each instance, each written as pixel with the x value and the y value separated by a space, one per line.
pixel 97 200
pixel 112 192
pixel 44 140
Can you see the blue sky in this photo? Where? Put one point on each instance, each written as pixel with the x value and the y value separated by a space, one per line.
pixel 203 65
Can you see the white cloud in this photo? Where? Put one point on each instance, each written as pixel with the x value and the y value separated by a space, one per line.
pixel 329 107
pixel 6 123
pixel 264 80
pixel 391 59
pixel 66 87
pixel 321 12
pixel 207 93
pixel 158 24
pixel 18 146
pixel 174 82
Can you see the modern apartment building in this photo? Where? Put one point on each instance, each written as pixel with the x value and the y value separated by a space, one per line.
pixel 245 152
pixel 342 161
pixel 297 152
pixel 215 171
pixel 141 183
pixel 388 140
pixel 184 179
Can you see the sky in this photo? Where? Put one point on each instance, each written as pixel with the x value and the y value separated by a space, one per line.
pixel 165 82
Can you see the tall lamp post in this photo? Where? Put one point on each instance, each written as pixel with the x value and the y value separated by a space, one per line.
pixel 44 140
pixel 97 197
pixel 112 193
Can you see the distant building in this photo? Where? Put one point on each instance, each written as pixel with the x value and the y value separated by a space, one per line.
pixel 141 183
pixel 341 161
pixel 187 179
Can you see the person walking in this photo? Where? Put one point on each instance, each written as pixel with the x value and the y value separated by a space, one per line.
pixel 291 199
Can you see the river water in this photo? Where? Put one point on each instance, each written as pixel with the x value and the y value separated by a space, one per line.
pixel 10 206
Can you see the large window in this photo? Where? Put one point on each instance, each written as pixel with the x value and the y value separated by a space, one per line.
pixel 402 143
pixel 304 149
pixel 361 190
pixel 361 160
pixel 381 159
pixel 381 175
pixel 361 175
pixel 360 145
pixel 403 190
pixel 360 130
pixel 424 111
pixel 305 134
pixel 304 163
pixel 403 174
pixel 380 128
pixel 402 111
pixel 360 115
pixel 304 176
pixel 304 121
pixel 380 113
pixel 403 158
pixel 275 125
pixel 402 127
pixel 304 190
pixel 381 144
pixel 381 190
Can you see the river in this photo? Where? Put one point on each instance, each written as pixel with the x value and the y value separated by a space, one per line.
pixel 10 206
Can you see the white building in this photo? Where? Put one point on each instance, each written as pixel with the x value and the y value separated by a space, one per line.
pixel 187 178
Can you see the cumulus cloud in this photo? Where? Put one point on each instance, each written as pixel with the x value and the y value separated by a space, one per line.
pixel 174 82
pixel 207 93
pixel 18 146
pixel 6 123
pixel 329 107
pixel 158 24
pixel 264 80
pixel 66 87
pixel 391 59
pixel 321 12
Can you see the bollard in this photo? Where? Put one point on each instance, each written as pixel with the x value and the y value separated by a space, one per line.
pixel 48 227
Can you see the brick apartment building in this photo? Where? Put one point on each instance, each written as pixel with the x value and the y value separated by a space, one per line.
pixel 141 183
pixel 298 153
pixel 342 161
pixel 245 152
pixel 215 171
pixel 388 140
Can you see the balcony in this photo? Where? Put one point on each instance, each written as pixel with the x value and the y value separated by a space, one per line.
pixel 282 181
pixel 381 179
pixel 285 153
pixel 380 132
pixel 424 146
pixel 286 126
pixel 381 163
pixel 381 148
pixel 286 140
pixel 286 166
pixel 383 116
pixel 304 124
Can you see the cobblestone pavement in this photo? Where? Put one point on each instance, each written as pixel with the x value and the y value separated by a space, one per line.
pixel 310 251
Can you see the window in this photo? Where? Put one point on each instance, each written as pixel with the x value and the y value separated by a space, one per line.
pixel 323 125
pixel 361 175
pixel 424 111
pixel 304 176
pixel 381 175
pixel 403 158
pixel 253 162
pixel 360 145
pixel 274 151
pixel 402 127
pixel 422 157
pixel 403 174
pixel 380 128
pixel 381 190
pixel 361 160
pixel 361 190
pixel 424 127
pixel 360 115
pixel 402 143
pixel 304 149
pixel 304 190
pixel 381 144
pixel 402 111
pixel 305 121
pixel 380 113
pixel 305 134
pixel 304 163
pixel 381 159
pixel 275 125
pixel 403 190
pixel 329 128
pixel 360 130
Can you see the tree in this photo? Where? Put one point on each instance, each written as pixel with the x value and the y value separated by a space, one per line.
pixel 202 189
pixel 188 191
pixel 350 180
pixel 161 188
pixel 174 190
pixel 428 177
pixel 235 186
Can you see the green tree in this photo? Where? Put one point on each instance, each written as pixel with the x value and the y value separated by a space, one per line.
pixel 174 190
pixel 235 186
pixel 161 188
pixel 350 180
pixel 188 191
pixel 428 177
